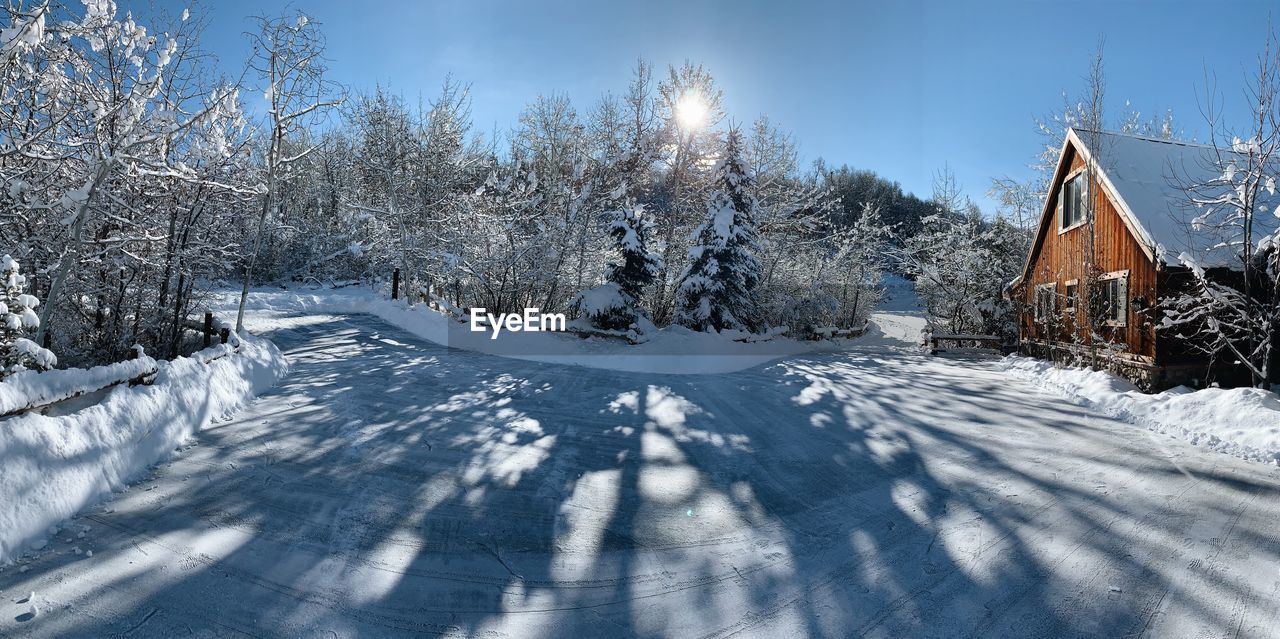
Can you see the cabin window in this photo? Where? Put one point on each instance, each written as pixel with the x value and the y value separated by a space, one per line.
pixel 1046 296
pixel 1115 298
pixel 1069 299
pixel 1073 201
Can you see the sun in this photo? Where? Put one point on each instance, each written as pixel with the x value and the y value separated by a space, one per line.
pixel 691 110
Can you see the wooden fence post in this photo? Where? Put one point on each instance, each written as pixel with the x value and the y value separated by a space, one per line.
pixel 395 284
pixel 208 328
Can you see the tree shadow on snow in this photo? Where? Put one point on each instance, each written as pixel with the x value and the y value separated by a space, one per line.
pixel 392 487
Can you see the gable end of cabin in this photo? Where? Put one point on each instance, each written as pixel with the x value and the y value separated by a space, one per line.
pixel 1069 308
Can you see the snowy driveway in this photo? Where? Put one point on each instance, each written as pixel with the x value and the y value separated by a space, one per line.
pixel 392 487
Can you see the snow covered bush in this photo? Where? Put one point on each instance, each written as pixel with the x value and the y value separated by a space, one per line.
pixel 606 307
pixel 18 318
pixel 717 289
pixel 829 280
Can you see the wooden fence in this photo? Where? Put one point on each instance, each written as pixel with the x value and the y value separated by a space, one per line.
pixel 146 376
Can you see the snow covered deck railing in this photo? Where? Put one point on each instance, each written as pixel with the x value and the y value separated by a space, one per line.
pixel 828 332
pixel 32 390
pixel 990 341
pixel 965 336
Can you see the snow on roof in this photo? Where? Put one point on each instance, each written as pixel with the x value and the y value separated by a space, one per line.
pixel 1149 178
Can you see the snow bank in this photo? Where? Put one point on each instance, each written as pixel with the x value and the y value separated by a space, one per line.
pixel 1244 422
pixel 53 467
pixel 672 350
pixel 33 388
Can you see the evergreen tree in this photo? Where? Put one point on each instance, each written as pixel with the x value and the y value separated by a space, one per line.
pixel 615 305
pixel 17 318
pixel 637 267
pixel 717 289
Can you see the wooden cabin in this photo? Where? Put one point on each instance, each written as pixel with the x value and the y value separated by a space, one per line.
pixel 1121 202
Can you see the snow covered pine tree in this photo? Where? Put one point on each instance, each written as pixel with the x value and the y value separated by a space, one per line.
pixel 615 305
pixel 17 318
pixel 717 289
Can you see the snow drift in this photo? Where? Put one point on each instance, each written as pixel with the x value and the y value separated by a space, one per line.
pixel 1244 422
pixel 53 467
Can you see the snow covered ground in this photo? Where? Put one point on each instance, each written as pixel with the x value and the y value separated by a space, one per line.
pixel 390 486
pixel 671 350
pixel 53 466
pixel 1244 422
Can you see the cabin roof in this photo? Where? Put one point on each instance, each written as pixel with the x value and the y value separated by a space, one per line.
pixel 1148 179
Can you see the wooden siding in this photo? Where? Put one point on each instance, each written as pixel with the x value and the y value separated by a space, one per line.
pixel 1058 257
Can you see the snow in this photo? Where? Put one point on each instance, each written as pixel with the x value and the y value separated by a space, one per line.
pixel 674 349
pixel 24 34
pixel 31 388
pixel 601 300
pixel 390 486
pixel 56 466
pixel 1150 176
pixel 1244 422
pixel 899 294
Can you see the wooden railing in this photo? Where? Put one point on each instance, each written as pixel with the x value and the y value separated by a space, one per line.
pixel 994 342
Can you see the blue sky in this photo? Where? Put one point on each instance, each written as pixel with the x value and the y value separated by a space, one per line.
pixel 900 87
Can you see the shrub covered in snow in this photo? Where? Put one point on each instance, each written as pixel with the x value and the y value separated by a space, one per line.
pixel 17 319
pixel 606 307
pixel 961 264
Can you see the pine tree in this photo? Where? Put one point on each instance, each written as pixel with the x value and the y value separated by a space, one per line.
pixel 615 305
pixel 637 267
pixel 17 318
pixel 717 289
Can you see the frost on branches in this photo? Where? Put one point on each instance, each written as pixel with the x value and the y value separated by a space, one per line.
pixel 717 289
pixel 961 266
pixel 18 316
pixel 1231 307
pixel 120 175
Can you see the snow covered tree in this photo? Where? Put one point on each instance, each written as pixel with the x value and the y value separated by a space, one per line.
pixel 636 267
pixel 717 289
pixel 689 106
pixel 615 305
pixel 17 319
pixel 288 59
pixel 961 264
pixel 386 156
pixel 1232 306
pixel 809 251
pixel 122 157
